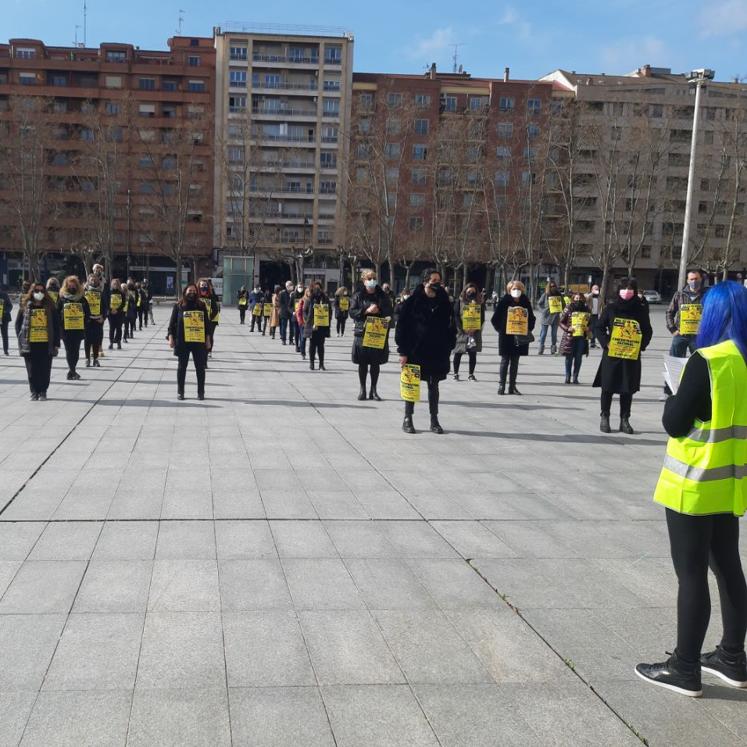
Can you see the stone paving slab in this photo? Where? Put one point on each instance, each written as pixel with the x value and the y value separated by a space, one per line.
pixel 281 565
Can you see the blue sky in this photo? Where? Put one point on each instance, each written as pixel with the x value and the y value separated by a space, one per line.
pixel 532 38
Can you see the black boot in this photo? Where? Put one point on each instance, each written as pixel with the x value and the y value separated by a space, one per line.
pixel 373 394
pixel 625 426
pixel 311 365
pixel 513 390
pixel 502 388
pixel 180 395
pixel 604 424
pixel 407 425
pixel 435 425
pixel 567 379
pixel 362 394
pixel 673 674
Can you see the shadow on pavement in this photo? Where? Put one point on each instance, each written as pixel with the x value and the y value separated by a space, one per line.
pixel 577 438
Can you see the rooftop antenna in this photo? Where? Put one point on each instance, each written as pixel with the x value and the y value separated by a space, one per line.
pixel 455 57
pixel 180 23
pixel 85 21
pixel 76 43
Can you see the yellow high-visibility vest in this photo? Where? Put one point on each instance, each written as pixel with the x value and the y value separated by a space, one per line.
pixel 705 472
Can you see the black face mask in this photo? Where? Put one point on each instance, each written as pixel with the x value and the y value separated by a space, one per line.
pixel 190 296
pixel 471 295
pixel 435 286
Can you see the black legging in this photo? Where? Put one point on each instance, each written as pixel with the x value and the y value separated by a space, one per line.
pixel 471 355
pixel 38 367
pixel 626 402
pixel 142 316
pixel 242 314
pixel 316 346
pixel 363 372
pixel 94 338
pixel 433 395
pixel 72 349
pixel 341 325
pixel 199 356
pixel 115 329
pixel 4 333
pixel 510 366
pixel 696 542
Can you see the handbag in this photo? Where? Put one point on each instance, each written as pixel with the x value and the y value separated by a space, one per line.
pixel 524 339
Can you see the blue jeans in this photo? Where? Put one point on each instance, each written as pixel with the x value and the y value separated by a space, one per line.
pixel 681 344
pixel 302 347
pixel 295 333
pixel 283 328
pixel 574 360
pixel 553 325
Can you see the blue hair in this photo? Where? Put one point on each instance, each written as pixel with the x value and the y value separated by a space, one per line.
pixel 724 316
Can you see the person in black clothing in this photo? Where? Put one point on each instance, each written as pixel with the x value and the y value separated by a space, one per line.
pixel 242 301
pixel 316 332
pixel 617 374
pixel 369 302
pixel 285 312
pixel 295 334
pixel 38 331
pixel 189 334
pixel 425 337
pixel 116 307
pixel 342 309
pixel 468 341
pixel 5 308
pixel 142 305
pixel 256 302
pixel 210 299
pixel 97 307
pixel 74 315
pixel 514 330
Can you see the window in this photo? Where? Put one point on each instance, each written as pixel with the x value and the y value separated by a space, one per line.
pixel 708 137
pixel 27 79
pixel 448 103
pixel 416 223
pixel 529 153
pixel 111 107
pixel 364 126
pixel 468 199
pixel 238 53
pixel 704 185
pixel 366 101
pixel 362 152
pixel 392 175
pixel 418 177
pixel 534 105
pixel 422 100
pixel 193 60
pixel 235 154
pixel 473 153
pixel 194 111
pixel 533 131
pixel 506 103
pixel 147 84
pixel 146 188
pixel 115 135
pixel 361 175
pixel 59 80
pixel 331 107
pixel 421 126
pixel 329 134
pixel 59 106
pixel 645 252
pixel 328 160
pixel 505 130
pixel 392 150
pixel 528 177
pixel 503 151
pixel 24 53
pixel 86 134
pixel 147 136
pixel 196 86
pixel 145 162
pixel 147 110
pixel 236 104
pixel 168 163
pixel 332 54
pixel 656 111
pixel 393 126
pixel 113 81
pixel 332 84
pixel 237 78
pixel 168 85
pixel 116 56
pixel 328 187
pixel 473 178
pixel 417 200
pixel 419 152
pixel 501 178
pixel 393 99
pixel 478 103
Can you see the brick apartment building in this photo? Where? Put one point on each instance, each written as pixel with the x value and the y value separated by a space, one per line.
pixel 125 166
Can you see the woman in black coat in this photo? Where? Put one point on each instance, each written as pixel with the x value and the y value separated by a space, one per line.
pixel 316 332
pixel 97 300
pixel 425 336
pixel 116 308
pixel 5 308
pixel 469 340
pixel 369 302
pixel 190 334
pixel 72 307
pixel 624 332
pixel 514 330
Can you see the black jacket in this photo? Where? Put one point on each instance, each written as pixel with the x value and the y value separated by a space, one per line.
pixel 285 304
pixel 426 332
pixel 509 344
pixel 61 303
pixel 176 327
pixel 119 313
pixel 361 300
pixel 53 329
pixel 7 308
pixel 308 315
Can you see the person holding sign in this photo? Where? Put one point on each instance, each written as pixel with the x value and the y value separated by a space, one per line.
pixel 256 304
pixel 242 301
pixel 74 315
pixel 5 308
pixel 300 306
pixel 38 331
pixel 551 307
pixel 189 334
pixel 702 490
pixel 513 319
pixel 624 332
pixel 294 330
pixel 286 312
pixel 425 336
pixel 116 313
pixel 97 313
pixel 469 316
pixel 208 297
pixel 575 322
pixel 371 311
pixel 342 309
pixel 316 317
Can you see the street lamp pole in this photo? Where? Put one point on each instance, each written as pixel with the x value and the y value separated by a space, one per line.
pixel 699 77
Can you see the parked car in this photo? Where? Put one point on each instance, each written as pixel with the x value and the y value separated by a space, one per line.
pixel 652 296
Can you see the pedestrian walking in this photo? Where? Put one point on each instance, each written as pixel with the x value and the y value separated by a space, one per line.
pixel 342 309
pixel 469 316
pixel 425 336
pixel 242 301
pixel 38 331
pixel 74 314
pixel 513 319
pixel 575 322
pixel 286 312
pixel 142 306
pixel 594 302
pixel 97 307
pixel 116 315
pixel 317 312
pixel 551 307
pixel 256 301
pixel 624 332
pixel 275 311
pixel 302 302
pixel 189 334
pixel 6 306
pixel 294 330
pixel 371 311
pixel 701 487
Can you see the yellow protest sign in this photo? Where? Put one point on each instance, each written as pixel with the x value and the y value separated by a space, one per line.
pixel 243 301
pixel 321 315
pixel 115 303
pixel 344 303
pixel 72 317
pixel 625 341
pixel 94 302
pixel 267 309
pixel 257 310
pixel 2 309
pixel 54 295
pixel 555 304
pixel 580 323
pixel 409 383
pixel 194 326
pixel 517 321
pixel 38 326
pixel 375 332
pixel 471 317
pixel 690 316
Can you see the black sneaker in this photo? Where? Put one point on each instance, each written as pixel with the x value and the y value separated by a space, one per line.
pixel 672 675
pixel 731 668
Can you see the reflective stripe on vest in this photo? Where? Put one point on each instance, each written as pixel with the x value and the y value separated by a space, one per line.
pixel 705 472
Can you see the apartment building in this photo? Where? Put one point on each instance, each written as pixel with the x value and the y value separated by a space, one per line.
pixel 635 136
pixel 282 120
pixel 127 142
pixel 439 163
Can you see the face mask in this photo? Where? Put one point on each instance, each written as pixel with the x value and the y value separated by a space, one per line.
pixel 626 294
pixel 370 284
pixel 190 296
pixel 299 289
pixel 470 294
pixel 435 286
pixel 38 296
pixel 693 284
pixel 595 293
pixel 516 293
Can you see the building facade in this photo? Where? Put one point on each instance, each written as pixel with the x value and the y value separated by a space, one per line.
pixel 282 120
pixel 122 158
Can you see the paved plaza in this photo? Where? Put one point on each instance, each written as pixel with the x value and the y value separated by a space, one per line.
pixel 282 565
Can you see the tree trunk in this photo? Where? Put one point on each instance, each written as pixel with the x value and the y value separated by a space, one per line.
pixel 605 281
pixel 390 265
pixel 464 275
pixel 408 270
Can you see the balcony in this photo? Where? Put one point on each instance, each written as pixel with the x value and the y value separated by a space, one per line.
pixel 283 85
pixel 292 165
pixel 276 138
pixel 282 58
pixel 273 111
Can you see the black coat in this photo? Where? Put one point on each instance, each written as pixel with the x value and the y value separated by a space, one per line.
pixel 308 316
pixel 462 339
pixel 71 334
pixel 616 374
pixel 426 332
pixel 361 300
pixel 176 327
pixel 7 308
pixel 509 345
pixel 285 304
pixel 119 313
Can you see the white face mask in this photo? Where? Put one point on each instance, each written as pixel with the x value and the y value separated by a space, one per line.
pixel 370 284
pixel 38 296
pixel 299 289
pixel 516 293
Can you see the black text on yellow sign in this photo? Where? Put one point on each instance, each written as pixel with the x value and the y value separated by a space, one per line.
pixel 194 326
pixel 690 316
pixel 555 304
pixel 517 321
pixel 321 315
pixel 625 340
pixel 376 332
pixel 38 326
pixel 72 317
pixel 409 383
pixel 471 317
pixel 94 302
pixel 267 309
pixel 580 323
pixel 115 302
pixel 344 303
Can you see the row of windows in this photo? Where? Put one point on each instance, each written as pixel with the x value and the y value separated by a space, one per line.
pixel 504 130
pixel 332 54
pixel 449 102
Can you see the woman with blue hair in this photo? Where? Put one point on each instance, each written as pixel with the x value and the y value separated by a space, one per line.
pixel 703 486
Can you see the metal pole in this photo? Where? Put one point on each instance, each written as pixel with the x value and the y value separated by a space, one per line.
pixel 690 188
